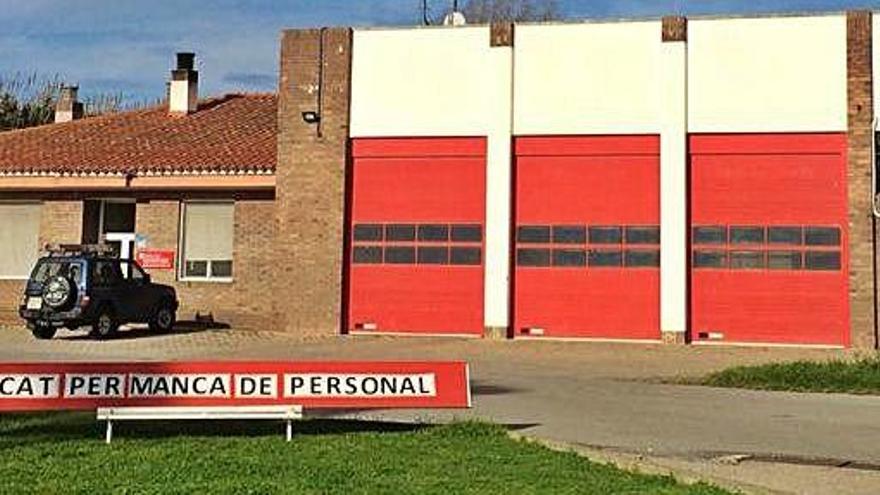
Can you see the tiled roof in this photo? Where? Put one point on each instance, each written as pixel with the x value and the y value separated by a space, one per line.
pixel 229 134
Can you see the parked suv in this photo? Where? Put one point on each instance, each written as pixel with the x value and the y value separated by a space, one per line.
pixel 87 285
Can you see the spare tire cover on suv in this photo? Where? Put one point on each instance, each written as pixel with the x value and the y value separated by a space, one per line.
pixel 58 292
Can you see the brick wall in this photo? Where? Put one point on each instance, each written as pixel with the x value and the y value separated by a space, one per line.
pixel 859 162
pixel 10 296
pixel 310 177
pixel 61 222
pixel 247 301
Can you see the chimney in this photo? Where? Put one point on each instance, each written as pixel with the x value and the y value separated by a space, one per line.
pixel 183 94
pixel 67 108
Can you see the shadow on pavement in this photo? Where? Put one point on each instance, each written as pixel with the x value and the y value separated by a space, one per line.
pixel 480 388
pixel 141 332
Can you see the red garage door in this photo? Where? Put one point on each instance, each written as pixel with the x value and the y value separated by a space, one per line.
pixel 769 238
pixel 587 237
pixel 417 222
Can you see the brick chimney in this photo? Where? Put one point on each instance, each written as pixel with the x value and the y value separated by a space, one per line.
pixel 67 107
pixel 183 94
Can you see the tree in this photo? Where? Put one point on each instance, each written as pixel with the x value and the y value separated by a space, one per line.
pixel 486 11
pixel 28 100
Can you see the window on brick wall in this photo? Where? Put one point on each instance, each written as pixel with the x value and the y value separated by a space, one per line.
pixel 20 225
pixel 207 234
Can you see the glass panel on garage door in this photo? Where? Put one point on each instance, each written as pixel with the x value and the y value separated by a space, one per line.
pixel 587 238
pixel 769 238
pixel 417 230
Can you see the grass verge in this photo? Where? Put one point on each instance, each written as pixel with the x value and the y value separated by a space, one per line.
pixel 64 453
pixel 854 376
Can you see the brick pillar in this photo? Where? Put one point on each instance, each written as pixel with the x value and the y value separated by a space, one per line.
pixel 61 222
pixel 310 178
pixel 674 183
pixel 860 106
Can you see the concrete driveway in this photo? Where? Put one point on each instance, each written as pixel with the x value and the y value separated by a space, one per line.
pixel 605 399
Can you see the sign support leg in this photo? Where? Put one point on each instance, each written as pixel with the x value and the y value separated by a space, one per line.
pixel 109 435
pixel 289 429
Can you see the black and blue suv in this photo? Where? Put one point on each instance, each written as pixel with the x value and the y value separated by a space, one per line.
pixel 87 285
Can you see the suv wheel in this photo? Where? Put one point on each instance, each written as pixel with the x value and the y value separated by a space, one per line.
pixel 163 319
pixel 105 324
pixel 43 332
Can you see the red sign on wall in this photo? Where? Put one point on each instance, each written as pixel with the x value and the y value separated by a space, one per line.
pixel 50 386
pixel 156 259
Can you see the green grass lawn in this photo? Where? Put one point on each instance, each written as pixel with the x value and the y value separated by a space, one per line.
pixel 855 376
pixel 65 453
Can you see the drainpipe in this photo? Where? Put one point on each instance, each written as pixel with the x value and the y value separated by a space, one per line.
pixel 874 203
pixel 876 210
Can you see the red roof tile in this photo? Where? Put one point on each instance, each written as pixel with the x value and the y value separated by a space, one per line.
pixel 233 133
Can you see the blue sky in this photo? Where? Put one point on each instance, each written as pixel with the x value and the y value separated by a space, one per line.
pixel 127 46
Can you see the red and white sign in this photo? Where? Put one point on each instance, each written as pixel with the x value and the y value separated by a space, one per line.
pixel 156 259
pixel 49 386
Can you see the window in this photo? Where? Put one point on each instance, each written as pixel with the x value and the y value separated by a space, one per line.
pixel 367 232
pixel 569 234
pixel 784 260
pixel 605 258
pixel 747 235
pixel 134 272
pixel 643 235
pixel 786 235
pixel 770 248
pixel 118 216
pixel 642 258
pixel 569 257
pixel 367 254
pixel 48 268
pixel 434 232
pixel 822 260
pixel 433 255
pixel 208 230
pixel 106 273
pixel 399 255
pixel 822 236
pixel 533 234
pixel 418 244
pixel 605 235
pixel 710 259
pixel 588 246
pixel 746 260
pixel 467 233
pixel 465 255
pixel 533 257
pixel 20 225
pixel 710 235
pixel 400 232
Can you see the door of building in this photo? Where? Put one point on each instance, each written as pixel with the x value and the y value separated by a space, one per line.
pixel 587 212
pixel 769 236
pixel 110 221
pixel 417 219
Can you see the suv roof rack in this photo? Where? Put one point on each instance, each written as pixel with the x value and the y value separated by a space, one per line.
pixel 58 250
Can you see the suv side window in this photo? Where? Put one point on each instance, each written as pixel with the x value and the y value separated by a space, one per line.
pixel 135 272
pixel 106 273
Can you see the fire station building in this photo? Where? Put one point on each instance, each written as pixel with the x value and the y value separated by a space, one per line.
pixel 700 180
